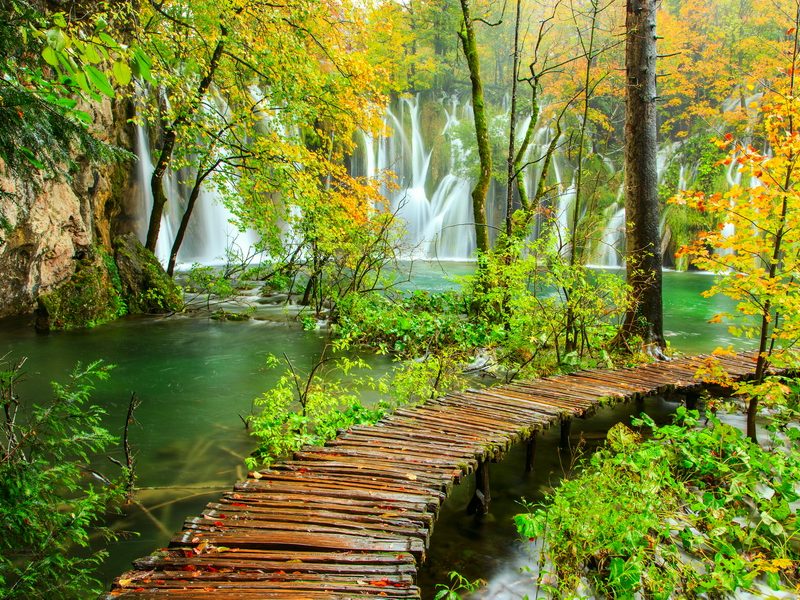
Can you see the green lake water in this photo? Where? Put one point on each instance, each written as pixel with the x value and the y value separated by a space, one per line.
pixel 196 376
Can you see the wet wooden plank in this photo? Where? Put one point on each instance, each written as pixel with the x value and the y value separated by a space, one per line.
pixel 271 539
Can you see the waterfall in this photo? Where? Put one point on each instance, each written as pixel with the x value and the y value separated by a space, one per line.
pixel 144 172
pixel 439 223
pixel 211 231
pixel 613 239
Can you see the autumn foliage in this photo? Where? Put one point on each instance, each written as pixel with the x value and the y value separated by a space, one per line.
pixel 755 249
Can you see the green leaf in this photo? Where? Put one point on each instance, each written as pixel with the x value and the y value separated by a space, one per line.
pixel 108 40
pixel 122 72
pixel 83 83
pixel 49 56
pixel 82 116
pixel 56 39
pixel 31 158
pixel 142 65
pixel 68 103
pixel 773 580
pixel 91 54
pixel 99 80
pixel 59 20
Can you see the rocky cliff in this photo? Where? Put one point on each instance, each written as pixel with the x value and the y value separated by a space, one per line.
pixel 49 226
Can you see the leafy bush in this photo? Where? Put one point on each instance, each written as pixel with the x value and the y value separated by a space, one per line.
pixel 413 325
pixel 298 411
pixel 48 505
pixel 697 510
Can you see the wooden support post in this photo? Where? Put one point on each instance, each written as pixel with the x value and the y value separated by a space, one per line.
pixel 691 400
pixel 566 426
pixel 639 404
pixel 479 505
pixel 530 453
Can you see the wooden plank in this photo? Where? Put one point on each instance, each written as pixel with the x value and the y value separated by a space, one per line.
pixel 278 538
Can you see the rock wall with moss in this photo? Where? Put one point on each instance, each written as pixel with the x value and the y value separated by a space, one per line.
pixel 48 231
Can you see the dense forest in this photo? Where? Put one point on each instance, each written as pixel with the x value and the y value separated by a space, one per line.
pixel 407 198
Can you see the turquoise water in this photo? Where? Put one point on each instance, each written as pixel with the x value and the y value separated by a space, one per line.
pixel 195 377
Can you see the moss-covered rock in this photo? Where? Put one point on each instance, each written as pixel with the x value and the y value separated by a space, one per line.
pixel 146 287
pixel 92 296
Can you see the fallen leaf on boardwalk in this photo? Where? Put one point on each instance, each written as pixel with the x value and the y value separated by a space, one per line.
pixel 202 547
pixel 238 504
pixel 255 475
pixel 412 477
pixel 125 582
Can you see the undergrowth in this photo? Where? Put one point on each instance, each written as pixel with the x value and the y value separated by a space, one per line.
pixel 697 511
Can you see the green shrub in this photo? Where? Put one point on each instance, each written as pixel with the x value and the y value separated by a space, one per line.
pixel 49 504
pixel 310 409
pixel 695 511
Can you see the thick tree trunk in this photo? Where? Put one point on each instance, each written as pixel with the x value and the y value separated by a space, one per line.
pixel 481 189
pixel 643 253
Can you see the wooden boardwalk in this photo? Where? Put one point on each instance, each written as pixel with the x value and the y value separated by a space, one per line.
pixel 353 519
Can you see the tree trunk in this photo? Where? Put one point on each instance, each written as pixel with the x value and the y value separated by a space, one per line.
pixel 481 189
pixel 168 145
pixel 643 253
pixel 187 215
pixel 512 130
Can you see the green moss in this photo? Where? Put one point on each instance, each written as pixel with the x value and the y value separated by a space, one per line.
pixel 224 315
pixel 145 285
pixel 91 297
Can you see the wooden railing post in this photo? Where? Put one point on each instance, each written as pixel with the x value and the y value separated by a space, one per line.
pixel 566 427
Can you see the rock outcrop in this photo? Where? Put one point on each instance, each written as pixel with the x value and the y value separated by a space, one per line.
pixel 91 296
pixel 145 285
pixel 48 228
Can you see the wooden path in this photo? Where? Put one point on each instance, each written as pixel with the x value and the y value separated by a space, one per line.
pixel 353 519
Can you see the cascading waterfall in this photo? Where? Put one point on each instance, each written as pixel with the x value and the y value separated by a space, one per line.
pixel 613 239
pixel 211 231
pixel 439 224
pixel 432 195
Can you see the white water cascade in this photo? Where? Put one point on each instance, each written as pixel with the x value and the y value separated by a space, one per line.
pixel 439 223
pixel 211 230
